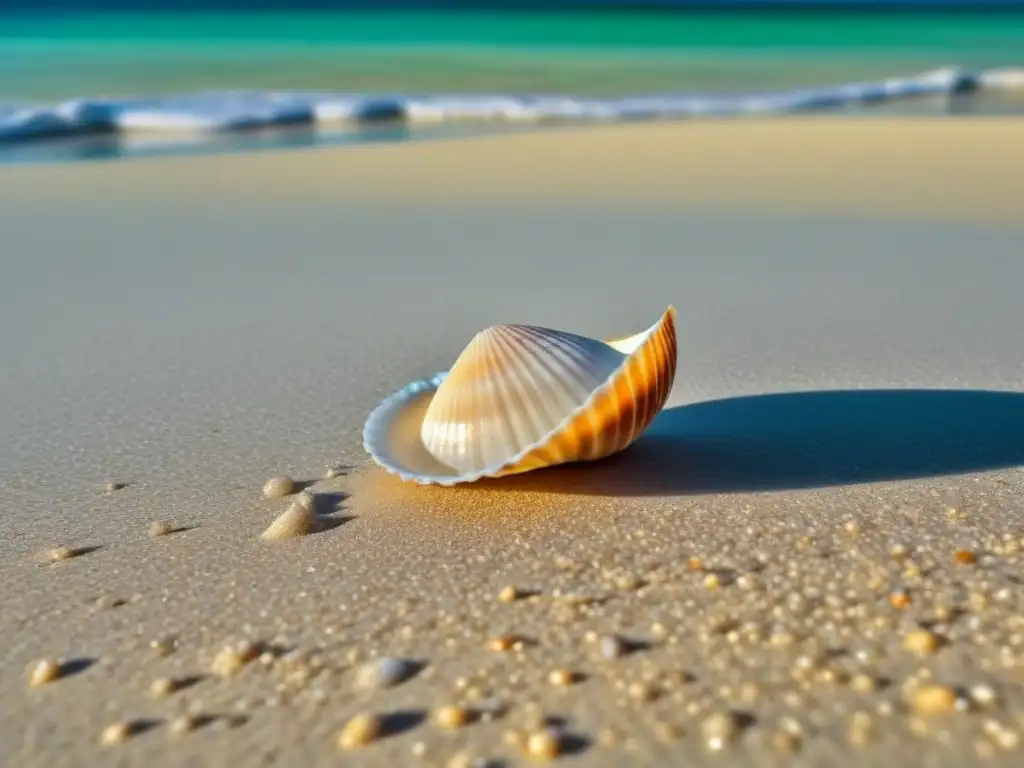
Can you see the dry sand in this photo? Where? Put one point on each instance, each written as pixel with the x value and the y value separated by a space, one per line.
pixel 968 168
pixel 847 418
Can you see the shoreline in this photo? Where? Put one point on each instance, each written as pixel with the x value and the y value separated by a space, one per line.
pixel 219 115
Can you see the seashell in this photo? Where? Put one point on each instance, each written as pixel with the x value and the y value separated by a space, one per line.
pixel 520 398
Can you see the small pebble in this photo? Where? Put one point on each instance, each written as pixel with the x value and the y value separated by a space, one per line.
pixel 1005 737
pixel 63 553
pixel 115 733
pixel 278 487
pixel 164 646
pixel 921 642
pixel 106 602
pixel 898 552
pixel 719 729
pixel 184 724
pixel 561 677
pixel 231 659
pixel 933 698
pixel 628 582
pixel 501 644
pixel 965 557
pixel 162 686
pixel 384 673
pixel 452 716
pixel 42 672
pixel 899 599
pixel 983 695
pixel 297 520
pixel 508 595
pixel 360 731
pixel 160 528
pixel 543 745
pixel 641 691
pixel 612 647
pixel 863 683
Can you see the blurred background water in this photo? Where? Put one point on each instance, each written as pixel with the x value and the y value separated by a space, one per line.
pixel 63 54
pixel 108 48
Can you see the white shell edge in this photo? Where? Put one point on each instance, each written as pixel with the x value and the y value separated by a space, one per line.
pixel 378 418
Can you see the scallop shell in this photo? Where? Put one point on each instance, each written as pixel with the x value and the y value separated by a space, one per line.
pixel 519 398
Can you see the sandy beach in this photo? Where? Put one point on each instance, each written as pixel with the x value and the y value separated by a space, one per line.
pixel 812 558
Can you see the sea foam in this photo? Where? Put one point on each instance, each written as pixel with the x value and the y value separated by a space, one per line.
pixel 236 111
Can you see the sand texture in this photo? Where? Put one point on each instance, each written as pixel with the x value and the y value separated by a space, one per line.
pixel 812 558
pixel 970 168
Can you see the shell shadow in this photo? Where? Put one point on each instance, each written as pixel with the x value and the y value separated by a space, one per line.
pixel 798 440
pixel 75 666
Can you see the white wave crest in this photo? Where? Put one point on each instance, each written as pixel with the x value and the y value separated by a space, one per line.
pixel 229 111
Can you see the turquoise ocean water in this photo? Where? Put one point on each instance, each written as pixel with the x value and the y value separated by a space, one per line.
pixel 134 73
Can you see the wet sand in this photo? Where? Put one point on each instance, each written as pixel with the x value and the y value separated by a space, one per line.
pixel 812 558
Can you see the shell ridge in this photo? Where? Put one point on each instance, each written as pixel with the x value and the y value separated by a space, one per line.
pixel 659 353
pixel 645 379
pixel 660 357
pixel 555 392
pixel 541 393
pixel 559 381
pixel 673 358
pixel 594 446
pixel 582 352
pixel 574 386
pixel 515 416
pixel 577 348
pixel 567 344
pixel 536 416
pixel 616 404
pixel 628 376
pixel 553 345
pixel 492 373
